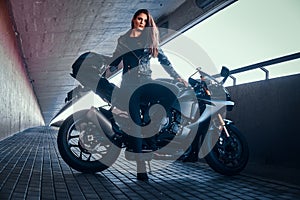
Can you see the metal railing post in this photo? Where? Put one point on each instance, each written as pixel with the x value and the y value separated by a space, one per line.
pixel 259 65
pixel 234 79
pixel 266 71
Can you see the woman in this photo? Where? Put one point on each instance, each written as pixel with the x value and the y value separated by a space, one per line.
pixel 135 48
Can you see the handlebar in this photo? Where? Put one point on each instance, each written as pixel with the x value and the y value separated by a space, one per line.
pixel 224 73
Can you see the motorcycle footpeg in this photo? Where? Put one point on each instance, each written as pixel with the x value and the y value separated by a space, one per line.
pixel 132 156
pixel 158 156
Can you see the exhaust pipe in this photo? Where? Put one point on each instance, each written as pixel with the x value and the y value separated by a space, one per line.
pixel 101 122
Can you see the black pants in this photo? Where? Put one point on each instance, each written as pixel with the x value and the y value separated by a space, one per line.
pixel 132 94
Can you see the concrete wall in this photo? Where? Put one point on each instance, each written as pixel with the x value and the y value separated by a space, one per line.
pixel 176 20
pixel 267 112
pixel 19 108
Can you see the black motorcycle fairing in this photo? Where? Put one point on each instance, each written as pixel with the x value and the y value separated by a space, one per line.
pixel 105 89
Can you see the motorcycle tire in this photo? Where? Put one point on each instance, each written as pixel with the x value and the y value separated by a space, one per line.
pixel 73 151
pixel 229 155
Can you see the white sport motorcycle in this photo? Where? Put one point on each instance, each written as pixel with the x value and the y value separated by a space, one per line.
pixel 186 123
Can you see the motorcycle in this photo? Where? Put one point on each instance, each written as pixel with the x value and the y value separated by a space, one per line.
pixel 186 123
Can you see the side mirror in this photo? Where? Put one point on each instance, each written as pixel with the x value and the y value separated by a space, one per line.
pixel 225 72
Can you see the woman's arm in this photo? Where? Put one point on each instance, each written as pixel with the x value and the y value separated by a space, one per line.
pixel 117 55
pixel 164 61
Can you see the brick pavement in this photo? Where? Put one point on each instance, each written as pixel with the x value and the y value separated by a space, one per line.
pixel 31 168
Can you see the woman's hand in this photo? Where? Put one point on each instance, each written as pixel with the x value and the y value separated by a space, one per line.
pixel 183 81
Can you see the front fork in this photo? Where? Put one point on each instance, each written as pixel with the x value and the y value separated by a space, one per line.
pixel 222 125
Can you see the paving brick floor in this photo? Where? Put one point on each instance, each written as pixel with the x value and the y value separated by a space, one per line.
pixel 31 168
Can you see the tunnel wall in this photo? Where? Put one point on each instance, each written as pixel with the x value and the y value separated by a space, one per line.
pixel 267 112
pixel 18 105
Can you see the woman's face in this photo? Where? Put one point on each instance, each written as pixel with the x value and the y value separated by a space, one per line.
pixel 140 21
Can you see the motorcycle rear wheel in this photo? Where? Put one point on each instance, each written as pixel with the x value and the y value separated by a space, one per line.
pixel 83 147
pixel 229 155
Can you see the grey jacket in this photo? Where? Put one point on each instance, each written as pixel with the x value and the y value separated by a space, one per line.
pixel 135 47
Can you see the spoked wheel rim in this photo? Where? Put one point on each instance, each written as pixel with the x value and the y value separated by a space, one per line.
pixel 229 150
pixel 228 155
pixel 86 143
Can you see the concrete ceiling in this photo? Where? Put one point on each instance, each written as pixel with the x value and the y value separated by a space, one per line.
pixel 53 33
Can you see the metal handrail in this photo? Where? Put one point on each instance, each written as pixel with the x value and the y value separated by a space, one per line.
pixel 262 65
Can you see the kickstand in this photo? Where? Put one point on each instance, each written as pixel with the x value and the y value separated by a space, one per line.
pixel 149 166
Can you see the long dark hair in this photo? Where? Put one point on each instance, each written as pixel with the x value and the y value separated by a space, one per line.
pixel 151 31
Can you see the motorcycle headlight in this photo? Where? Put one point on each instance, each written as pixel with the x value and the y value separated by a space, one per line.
pixel 228 98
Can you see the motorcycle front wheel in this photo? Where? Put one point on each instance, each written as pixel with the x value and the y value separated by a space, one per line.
pixel 228 155
pixel 83 146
